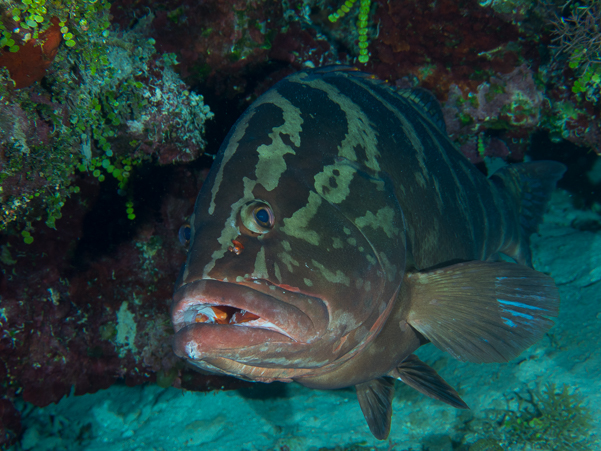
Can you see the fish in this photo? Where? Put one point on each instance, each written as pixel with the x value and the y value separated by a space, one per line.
pixel 339 230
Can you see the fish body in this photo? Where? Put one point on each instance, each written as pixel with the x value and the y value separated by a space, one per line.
pixel 339 229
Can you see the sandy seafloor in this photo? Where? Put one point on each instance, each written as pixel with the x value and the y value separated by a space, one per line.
pixel 291 417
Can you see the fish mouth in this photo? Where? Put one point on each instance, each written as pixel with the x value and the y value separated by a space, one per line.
pixel 213 318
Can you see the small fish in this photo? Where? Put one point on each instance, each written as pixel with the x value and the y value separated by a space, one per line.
pixel 339 230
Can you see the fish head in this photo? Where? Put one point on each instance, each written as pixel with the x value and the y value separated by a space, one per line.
pixel 296 253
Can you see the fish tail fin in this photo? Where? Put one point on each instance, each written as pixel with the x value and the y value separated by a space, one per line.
pixel 530 185
pixel 482 312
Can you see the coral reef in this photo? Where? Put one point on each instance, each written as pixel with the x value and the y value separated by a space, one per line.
pixel 87 303
pixel 99 113
pixel 510 102
pixel 215 40
pixel 578 38
pixel 574 75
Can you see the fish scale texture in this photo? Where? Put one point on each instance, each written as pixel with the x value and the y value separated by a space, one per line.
pixel 288 416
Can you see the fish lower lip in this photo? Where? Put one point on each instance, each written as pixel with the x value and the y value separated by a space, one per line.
pixel 199 341
pixel 227 307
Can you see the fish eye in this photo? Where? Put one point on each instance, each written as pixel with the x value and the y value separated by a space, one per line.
pixel 257 216
pixel 263 217
pixel 185 233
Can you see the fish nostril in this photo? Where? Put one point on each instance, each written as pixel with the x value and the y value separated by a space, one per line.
pixel 237 247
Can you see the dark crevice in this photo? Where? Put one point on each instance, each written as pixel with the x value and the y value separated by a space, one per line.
pixel 579 161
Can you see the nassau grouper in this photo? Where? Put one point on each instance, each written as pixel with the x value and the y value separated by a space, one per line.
pixel 339 230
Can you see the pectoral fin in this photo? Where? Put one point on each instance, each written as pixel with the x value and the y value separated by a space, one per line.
pixel 375 399
pixel 415 373
pixel 480 311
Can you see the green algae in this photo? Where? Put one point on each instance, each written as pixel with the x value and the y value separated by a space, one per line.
pixel 109 104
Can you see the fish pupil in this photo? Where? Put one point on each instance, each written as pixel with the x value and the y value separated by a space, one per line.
pixel 262 216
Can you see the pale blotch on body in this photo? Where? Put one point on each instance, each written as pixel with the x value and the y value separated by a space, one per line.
pixel 337 277
pixel 287 260
pixel 260 271
pixel 343 181
pixel 298 224
pixel 230 229
pixel 391 270
pixel 229 152
pixel 271 164
pixel 383 219
pixel 361 132
pixel 278 274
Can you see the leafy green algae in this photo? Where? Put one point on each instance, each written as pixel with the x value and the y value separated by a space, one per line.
pixel 108 104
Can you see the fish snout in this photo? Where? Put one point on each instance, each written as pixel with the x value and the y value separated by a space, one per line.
pixel 213 318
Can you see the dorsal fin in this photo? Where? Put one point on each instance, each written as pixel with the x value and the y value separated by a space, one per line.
pixel 423 99
pixel 530 184
pixel 344 69
pixel 375 399
pixel 334 68
pixel 427 103
pixel 415 373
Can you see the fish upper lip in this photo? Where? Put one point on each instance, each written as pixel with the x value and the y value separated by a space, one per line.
pixel 263 300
